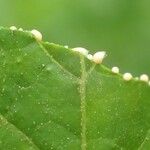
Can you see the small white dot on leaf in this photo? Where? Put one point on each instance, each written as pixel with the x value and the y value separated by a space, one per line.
pixel 90 56
pixel 127 76
pixel 81 50
pixel 144 78
pixel 37 34
pixel 13 28
pixel 115 70
pixel 99 56
pixel 20 29
pixel 66 46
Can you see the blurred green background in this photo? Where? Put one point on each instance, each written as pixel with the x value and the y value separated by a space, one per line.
pixel 121 27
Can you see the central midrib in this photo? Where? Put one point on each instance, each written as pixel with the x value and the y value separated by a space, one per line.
pixel 83 104
pixel 82 89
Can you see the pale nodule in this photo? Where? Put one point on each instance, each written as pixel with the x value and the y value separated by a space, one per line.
pixel 90 56
pixel 13 28
pixel 37 34
pixel 66 46
pixel 127 76
pixel 115 70
pixel 81 50
pixel 20 29
pixel 144 77
pixel 99 56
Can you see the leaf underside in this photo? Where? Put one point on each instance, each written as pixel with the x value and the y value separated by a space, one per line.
pixel 54 98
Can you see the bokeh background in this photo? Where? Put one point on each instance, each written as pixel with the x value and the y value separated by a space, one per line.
pixel 121 27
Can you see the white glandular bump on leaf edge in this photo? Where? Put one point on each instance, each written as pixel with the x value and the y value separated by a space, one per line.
pixel 127 76
pixel 66 46
pixel 81 50
pixel 13 28
pixel 115 70
pixel 90 56
pixel 99 56
pixel 20 29
pixel 37 34
pixel 144 77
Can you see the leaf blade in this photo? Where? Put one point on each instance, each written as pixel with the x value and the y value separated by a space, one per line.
pixel 48 96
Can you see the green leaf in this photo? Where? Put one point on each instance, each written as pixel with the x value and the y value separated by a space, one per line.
pixel 54 98
pixel 119 26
